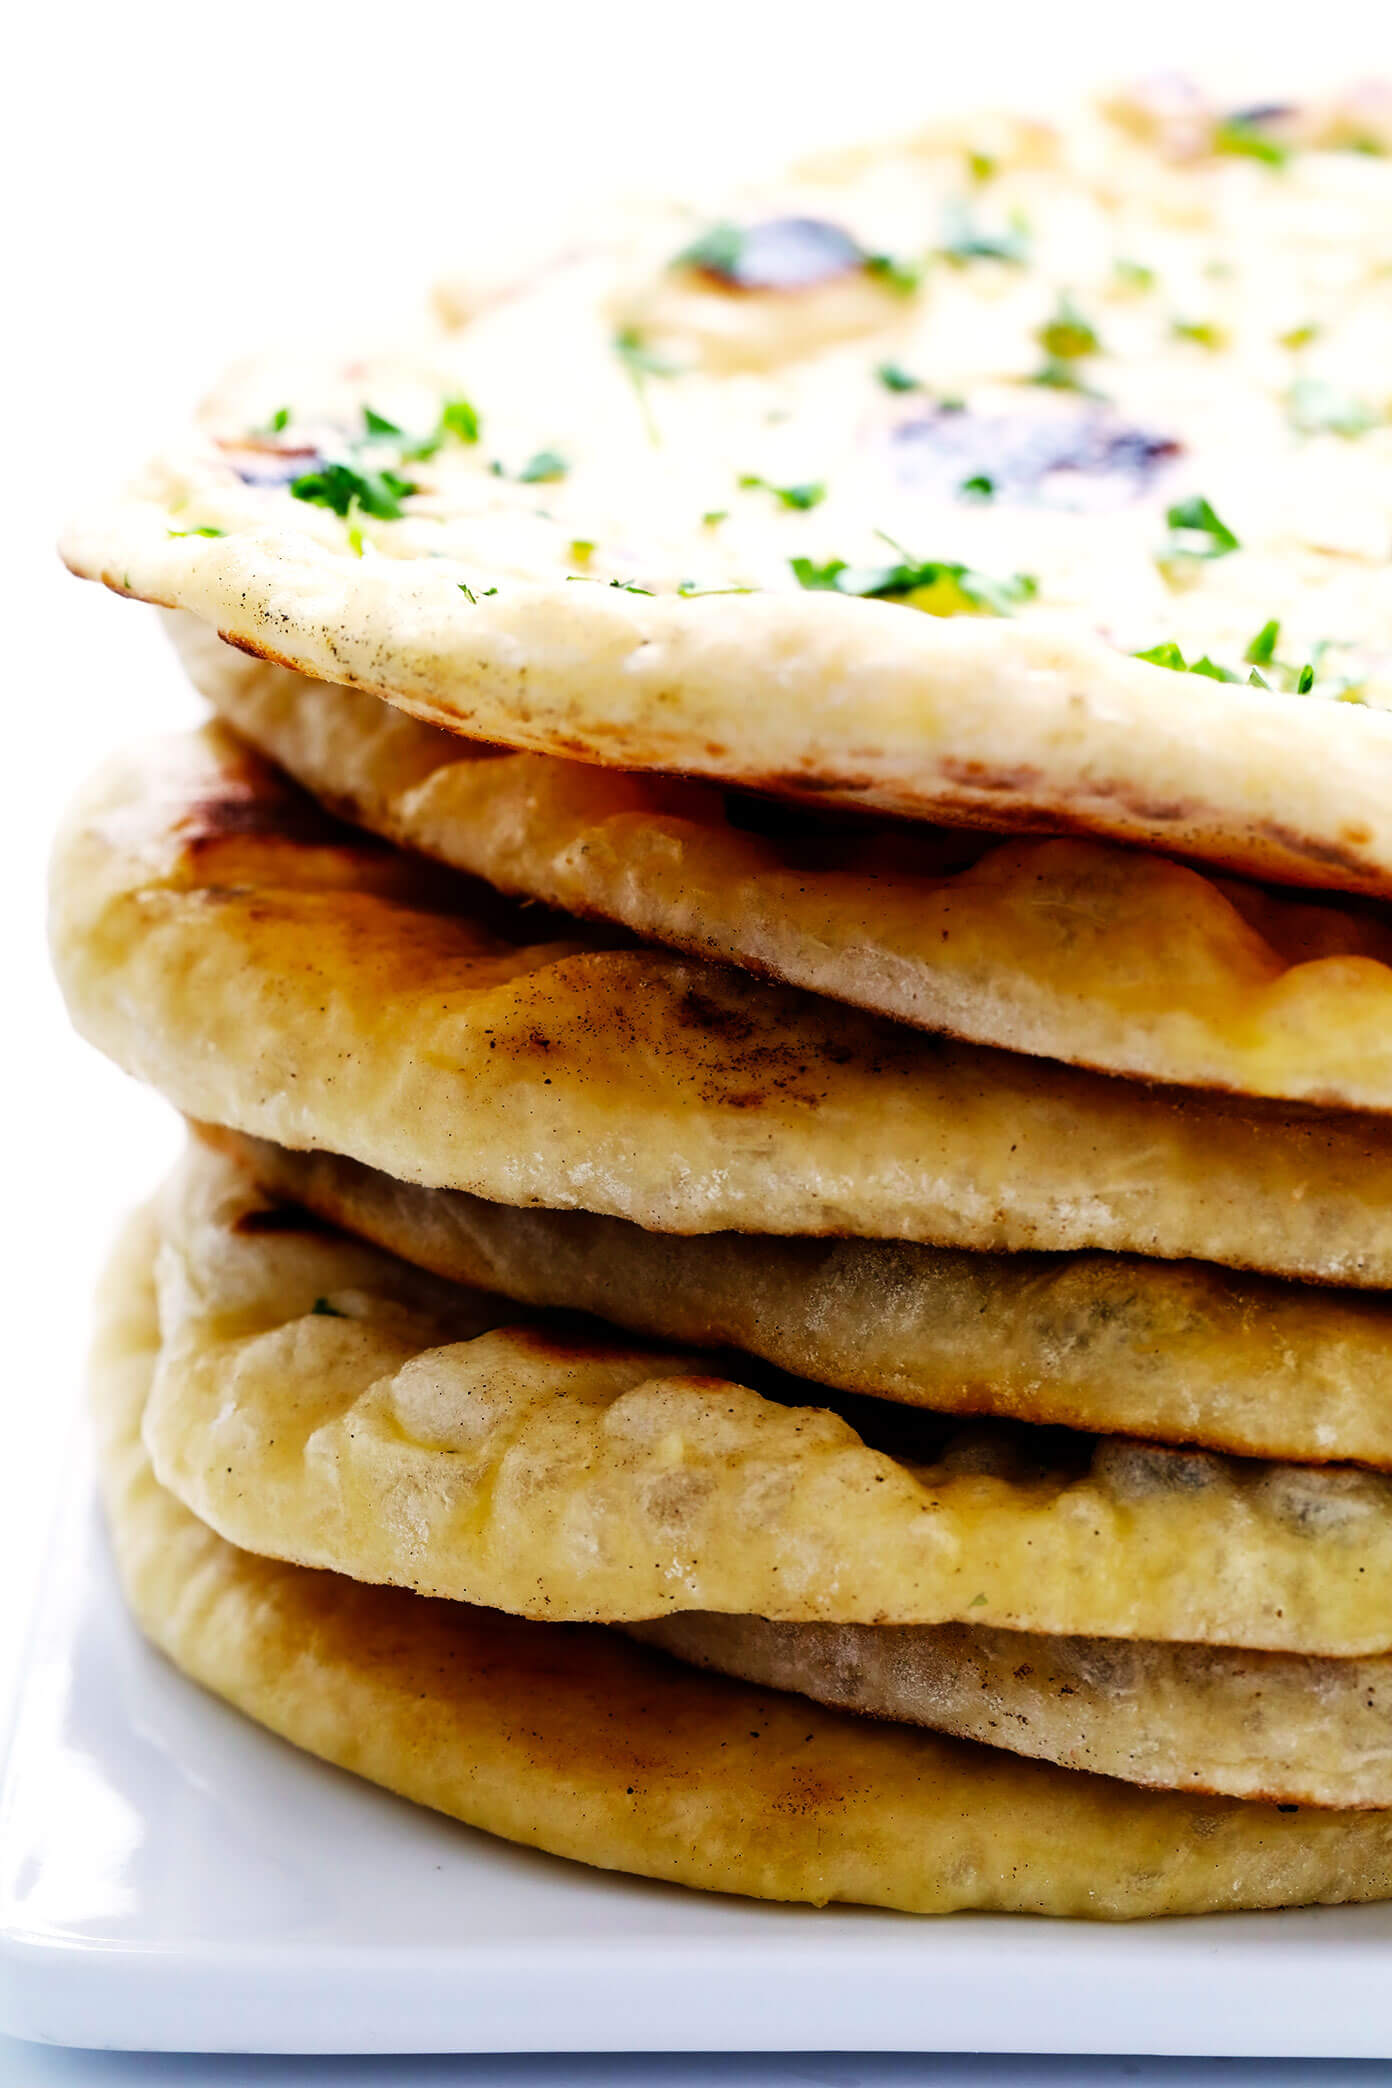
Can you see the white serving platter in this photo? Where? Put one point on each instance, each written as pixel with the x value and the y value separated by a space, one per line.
pixel 172 1878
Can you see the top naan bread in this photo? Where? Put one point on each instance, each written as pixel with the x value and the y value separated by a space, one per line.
pixel 279 975
pixel 666 503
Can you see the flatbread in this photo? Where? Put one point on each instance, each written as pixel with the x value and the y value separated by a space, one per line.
pixel 574 1741
pixel 1089 338
pixel 271 973
pixel 313 1405
pixel 1179 1352
pixel 1069 949
pixel 1276 1726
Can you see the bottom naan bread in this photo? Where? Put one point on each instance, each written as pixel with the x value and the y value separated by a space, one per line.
pixel 1277 1726
pixel 574 1741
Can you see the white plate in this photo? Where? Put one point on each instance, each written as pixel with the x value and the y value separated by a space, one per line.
pixel 172 1878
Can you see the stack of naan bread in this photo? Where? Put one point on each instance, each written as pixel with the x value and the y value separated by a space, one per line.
pixel 780 965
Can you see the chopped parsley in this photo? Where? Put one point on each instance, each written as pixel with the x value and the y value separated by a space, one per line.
pixel 811 493
pixel 1067 335
pixel 716 251
pixel 1132 275
pixel 279 421
pixel 543 468
pixel 963 239
pixel 1202 332
pixel 1246 140
pixel 205 531
pixel 641 362
pixel 376 425
pixel 1169 655
pixel 1197 532
pixel 1299 336
pixel 1058 375
pixel 940 588
pixel 979 487
pixel 980 165
pixel 342 488
pixel 895 378
pixel 458 422
pixel 459 419
pixel 712 516
pixel 1203 665
pixel 1316 408
pixel 581 550
pixel 465 589
pixel 638 358
pixel 1262 650
pixel 1066 338
pixel 894 272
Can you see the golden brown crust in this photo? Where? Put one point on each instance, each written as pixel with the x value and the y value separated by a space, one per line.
pixel 321 1402
pixel 319 994
pixel 1072 950
pixel 1178 1352
pixel 570 1740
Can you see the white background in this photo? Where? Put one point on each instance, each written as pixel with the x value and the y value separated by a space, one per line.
pixel 185 181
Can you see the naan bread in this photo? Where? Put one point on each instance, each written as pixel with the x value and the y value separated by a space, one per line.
pixel 574 1741
pixel 670 502
pixel 1276 1726
pixel 271 973
pixel 313 1403
pixel 1070 949
pixel 1179 1352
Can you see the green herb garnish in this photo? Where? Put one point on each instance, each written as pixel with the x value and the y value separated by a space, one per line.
pixel 1203 665
pixel 205 531
pixel 1248 142
pixel 1067 335
pixel 894 272
pixel 714 515
pixel 1056 375
pixel 341 487
pixel 964 240
pixel 979 487
pixel 1195 519
pixel 1202 332
pixel 810 494
pixel 279 421
pixel 1169 655
pixel 717 251
pixel 543 468
pixel 642 362
pixel 895 378
pixel 376 425
pixel 458 422
pixel 1299 336
pixel 980 165
pixel 1133 275
pixel 1306 681
pixel 1262 650
pixel 637 358
pixel 940 588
